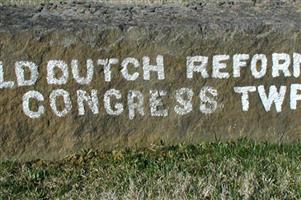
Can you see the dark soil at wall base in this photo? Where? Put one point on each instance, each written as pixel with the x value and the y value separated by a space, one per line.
pixel 98 31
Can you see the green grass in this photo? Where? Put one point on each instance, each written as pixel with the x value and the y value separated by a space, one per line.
pixel 229 170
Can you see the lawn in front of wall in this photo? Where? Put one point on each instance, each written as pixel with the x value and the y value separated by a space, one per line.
pixel 220 170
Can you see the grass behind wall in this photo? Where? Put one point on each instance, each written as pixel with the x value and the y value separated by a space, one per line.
pixel 242 169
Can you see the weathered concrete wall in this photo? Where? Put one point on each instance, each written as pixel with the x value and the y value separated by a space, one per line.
pixel 96 31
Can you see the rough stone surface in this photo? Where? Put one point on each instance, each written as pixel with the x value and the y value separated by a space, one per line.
pixel 93 30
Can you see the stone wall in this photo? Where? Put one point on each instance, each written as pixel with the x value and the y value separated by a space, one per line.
pixel 95 32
